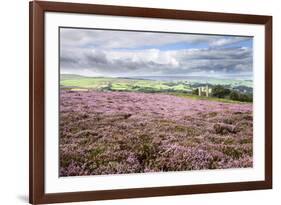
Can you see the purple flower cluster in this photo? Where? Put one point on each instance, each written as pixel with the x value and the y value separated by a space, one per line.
pixel 127 132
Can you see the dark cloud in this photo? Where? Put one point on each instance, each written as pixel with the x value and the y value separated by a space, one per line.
pixel 78 54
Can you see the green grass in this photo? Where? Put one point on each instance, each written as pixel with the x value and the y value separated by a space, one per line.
pixel 85 82
pixel 196 97
pixel 119 84
pixel 180 89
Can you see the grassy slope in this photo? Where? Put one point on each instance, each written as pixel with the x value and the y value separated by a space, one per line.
pixel 185 95
pixel 118 84
pixel 79 83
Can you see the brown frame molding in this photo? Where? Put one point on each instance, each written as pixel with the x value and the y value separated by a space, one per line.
pixel 37 95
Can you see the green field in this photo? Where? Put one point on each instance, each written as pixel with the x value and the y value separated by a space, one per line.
pixel 196 97
pixel 121 84
pixel 181 88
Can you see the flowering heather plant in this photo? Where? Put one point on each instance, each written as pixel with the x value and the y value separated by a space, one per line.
pixel 129 132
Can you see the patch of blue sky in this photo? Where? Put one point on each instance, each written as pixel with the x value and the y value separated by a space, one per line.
pixel 248 43
pixel 168 47
pixel 179 46
pixel 89 45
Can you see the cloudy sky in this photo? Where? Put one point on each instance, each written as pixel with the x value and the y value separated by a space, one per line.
pixel 94 52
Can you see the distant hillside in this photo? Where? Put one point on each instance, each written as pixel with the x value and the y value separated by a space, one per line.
pixel 70 76
pixel 179 85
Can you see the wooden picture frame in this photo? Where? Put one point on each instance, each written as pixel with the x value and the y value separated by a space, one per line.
pixel 37 98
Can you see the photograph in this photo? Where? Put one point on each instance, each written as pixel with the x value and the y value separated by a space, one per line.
pixel 132 102
pixel 147 101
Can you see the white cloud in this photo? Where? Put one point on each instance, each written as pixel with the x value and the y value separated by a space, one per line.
pixel 227 41
pixel 139 53
pixel 130 39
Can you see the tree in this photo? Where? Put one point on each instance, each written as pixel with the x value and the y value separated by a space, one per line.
pixel 195 91
pixel 220 92
pixel 245 98
pixel 234 95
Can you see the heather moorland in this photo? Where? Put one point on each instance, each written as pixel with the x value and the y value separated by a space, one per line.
pixel 130 132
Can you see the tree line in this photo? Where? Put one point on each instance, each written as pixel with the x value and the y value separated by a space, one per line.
pixel 220 92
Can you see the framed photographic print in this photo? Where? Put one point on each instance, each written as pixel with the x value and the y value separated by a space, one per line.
pixel 139 102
